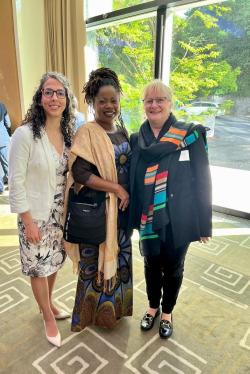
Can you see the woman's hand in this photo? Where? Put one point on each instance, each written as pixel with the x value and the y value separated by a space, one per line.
pixel 204 239
pixel 101 184
pixel 122 194
pixel 66 245
pixel 32 232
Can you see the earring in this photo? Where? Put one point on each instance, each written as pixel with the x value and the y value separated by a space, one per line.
pixel 91 112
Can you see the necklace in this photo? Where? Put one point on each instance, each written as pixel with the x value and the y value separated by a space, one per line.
pixel 111 131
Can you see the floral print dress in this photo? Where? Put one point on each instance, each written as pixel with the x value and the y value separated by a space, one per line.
pixel 47 257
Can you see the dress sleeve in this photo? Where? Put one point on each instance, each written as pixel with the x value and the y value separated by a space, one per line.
pixel 82 170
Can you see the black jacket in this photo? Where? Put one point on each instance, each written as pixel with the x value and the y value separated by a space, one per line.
pixel 189 191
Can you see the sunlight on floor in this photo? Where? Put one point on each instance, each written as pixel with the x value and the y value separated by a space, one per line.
pixel 231 188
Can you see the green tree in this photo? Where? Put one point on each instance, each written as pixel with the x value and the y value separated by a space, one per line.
pixel 129 50
pixel 235 42
pixel 119 4
pixel 197 69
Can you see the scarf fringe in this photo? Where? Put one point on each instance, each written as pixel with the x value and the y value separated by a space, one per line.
pixel 108 284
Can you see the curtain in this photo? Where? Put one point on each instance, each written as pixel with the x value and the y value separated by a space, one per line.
pixel 65 38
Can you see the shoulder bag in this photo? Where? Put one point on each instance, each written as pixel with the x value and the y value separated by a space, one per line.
pixel 85 221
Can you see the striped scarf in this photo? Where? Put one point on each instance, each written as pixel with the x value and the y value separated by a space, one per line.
pixel 155 214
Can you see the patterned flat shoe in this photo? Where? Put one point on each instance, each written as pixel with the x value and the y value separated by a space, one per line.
pixel 148 320
pixel 165 329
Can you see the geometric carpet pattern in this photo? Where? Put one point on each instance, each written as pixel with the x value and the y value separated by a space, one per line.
pixel 211 318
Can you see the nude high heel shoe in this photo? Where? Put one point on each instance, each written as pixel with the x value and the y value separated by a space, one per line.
pixel 62 315
pixel 55 340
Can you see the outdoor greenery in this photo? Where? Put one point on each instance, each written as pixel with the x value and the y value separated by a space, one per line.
pixel 197 68
pixel 209 54
pixel 129 50
pixel 119 4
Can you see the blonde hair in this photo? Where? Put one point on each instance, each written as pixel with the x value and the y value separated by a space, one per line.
pixel 157 86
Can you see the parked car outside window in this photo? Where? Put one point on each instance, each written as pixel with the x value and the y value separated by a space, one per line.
pixel 199 107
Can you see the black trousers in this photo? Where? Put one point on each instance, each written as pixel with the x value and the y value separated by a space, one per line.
pixel 164 274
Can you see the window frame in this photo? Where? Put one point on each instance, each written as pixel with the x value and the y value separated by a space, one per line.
pixel 161 7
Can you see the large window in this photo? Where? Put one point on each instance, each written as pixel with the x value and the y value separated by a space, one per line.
pixel 128 49
pixel 205 59
pixel 96 7
pixel 210 77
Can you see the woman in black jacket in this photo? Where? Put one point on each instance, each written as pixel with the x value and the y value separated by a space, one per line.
pixel 170 199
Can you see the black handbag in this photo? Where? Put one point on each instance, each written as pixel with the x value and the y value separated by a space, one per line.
pixel 85 221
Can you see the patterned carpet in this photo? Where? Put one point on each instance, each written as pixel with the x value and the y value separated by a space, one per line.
pixel 211 319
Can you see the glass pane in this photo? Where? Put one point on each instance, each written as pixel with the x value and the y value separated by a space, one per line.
pixel 210 77
pixel 128 49
pixel 98 7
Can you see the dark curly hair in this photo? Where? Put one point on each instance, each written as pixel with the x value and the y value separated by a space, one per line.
pixel 36 116
pixel 97 79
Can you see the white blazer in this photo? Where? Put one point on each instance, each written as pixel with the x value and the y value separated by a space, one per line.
pixel 32 174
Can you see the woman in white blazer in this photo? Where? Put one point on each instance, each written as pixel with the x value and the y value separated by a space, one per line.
pixel 38 165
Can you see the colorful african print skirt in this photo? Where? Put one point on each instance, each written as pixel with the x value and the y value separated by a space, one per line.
pixel 93 306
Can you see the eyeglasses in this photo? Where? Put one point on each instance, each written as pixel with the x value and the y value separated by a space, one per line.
pixel 158 101
pixel 48 92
